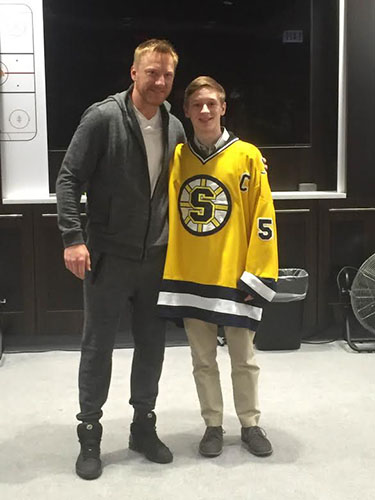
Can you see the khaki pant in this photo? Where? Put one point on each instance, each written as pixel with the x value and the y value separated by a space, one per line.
pixel 202 337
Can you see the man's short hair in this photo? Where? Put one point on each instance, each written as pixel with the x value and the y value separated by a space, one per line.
pixel 155 45
pixel 200 82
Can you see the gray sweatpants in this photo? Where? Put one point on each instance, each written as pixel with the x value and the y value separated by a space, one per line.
pixel 112 282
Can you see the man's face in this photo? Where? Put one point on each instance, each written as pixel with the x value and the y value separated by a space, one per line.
pixel 204 108
pixel 153 77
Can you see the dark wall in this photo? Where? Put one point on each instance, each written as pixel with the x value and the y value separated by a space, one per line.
pixel 361 98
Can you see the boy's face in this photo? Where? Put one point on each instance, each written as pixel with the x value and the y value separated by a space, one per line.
pixel 205 109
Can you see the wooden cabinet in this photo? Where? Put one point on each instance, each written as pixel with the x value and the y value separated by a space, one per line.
pixel 59 300
pixel 346 238
pixel 44 301
pixel 17 284
pixel 44 304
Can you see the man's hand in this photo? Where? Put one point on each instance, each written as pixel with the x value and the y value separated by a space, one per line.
pixel 77 260
pixel 248 298
pixel 264 161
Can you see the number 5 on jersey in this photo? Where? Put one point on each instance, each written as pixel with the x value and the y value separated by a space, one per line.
pixel 265 228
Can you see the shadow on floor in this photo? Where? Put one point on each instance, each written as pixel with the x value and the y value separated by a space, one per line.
pixel 51 450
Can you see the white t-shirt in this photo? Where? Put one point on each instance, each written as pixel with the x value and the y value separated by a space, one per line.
pixel 152 133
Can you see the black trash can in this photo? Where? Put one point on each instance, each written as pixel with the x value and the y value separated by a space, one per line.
pixel 280 328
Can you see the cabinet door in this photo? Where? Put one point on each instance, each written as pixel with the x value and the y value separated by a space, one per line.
pixel 297 239
pixel 60 293
pixel 347 238
pixel 59 299
pixel 17 290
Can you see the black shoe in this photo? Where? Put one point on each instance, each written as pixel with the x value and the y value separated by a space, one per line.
pixel 256 441
pixel 89 465
pixel 211 444
pixel 143 438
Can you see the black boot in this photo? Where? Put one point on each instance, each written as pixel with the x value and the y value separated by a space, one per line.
pixel 89 465
pixel 143 438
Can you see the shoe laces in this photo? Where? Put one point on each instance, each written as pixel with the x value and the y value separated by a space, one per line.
pixel 260 431
pixel 214 432
pixel 256 431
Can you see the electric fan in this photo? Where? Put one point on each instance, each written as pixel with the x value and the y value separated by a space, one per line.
pixel 362 300
pixel 362 294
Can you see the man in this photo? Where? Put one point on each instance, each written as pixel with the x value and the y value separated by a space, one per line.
pixel 119 155
pixel 221 261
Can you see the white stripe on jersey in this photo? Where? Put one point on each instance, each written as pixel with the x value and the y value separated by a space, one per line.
pixel 224 306
pixel 258 286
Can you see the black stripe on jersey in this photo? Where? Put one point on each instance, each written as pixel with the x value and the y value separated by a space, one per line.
pixel 209 316
pixel 209 291
pixel 194 149
pixel 258 299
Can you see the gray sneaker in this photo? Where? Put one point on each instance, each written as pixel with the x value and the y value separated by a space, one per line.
pixel 256 441
pixel 211 444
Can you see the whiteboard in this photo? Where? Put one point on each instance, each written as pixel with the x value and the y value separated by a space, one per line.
pixel 23 124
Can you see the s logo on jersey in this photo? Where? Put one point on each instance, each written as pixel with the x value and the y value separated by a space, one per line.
pixel 204 204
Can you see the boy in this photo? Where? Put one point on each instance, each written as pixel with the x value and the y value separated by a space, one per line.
pixel 221 260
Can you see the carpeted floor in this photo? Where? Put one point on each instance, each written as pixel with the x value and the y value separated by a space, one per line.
pixel 318 409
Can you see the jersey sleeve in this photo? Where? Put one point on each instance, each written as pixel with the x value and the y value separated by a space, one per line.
pixel 261 270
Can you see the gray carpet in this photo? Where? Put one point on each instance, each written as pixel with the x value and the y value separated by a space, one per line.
pixel 318 409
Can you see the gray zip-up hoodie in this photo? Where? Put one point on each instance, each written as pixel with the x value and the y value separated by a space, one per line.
pixel 107 159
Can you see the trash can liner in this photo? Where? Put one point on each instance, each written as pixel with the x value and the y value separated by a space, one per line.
pixel 291 285
pixel 281 326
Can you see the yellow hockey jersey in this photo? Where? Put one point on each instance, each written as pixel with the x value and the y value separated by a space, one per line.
pixel 222 236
